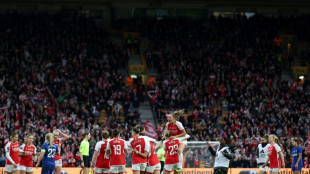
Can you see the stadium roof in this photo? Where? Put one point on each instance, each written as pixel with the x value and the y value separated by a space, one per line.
pixel 244 5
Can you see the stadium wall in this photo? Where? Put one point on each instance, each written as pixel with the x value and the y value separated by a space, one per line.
pixel 185 171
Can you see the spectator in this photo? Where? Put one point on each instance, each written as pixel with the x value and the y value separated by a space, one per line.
pixel 3 159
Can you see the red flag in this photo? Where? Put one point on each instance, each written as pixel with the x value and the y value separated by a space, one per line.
pixel 150 130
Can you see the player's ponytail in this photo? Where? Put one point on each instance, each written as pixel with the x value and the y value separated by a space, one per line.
pixel 49 138
pixel 136 129
pixel 177 114
pixel 110 133
pixel 105 134
pixel 167 133
pixel 276 140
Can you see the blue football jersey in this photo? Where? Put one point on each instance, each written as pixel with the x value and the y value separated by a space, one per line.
pixel 49 155
pixel 295 153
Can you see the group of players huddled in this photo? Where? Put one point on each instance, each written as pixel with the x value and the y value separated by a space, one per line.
pixel 109 155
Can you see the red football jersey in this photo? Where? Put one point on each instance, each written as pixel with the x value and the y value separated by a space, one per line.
pixel 171 147
pixel 141 146
pixel 175 129
pixel 116 147
pixel 29 151
pixel 273 153
pixel 152 158
pixel 103 160
pixel 12 150
pixel 58 143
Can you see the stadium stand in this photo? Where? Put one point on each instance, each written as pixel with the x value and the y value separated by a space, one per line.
pixel 227 74
pixel 62 70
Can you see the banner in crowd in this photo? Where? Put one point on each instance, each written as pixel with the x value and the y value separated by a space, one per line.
pixel 68 170
pixel 150 130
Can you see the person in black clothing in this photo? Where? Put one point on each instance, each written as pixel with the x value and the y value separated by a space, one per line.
pixel 222 155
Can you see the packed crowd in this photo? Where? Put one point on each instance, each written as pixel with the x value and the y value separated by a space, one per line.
pixel 58 72
pixel 228 65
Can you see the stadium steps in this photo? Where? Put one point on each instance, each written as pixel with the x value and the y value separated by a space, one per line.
pixel 146 112
pixel 135 60
pixel 224 113
pixel 102 119
pixel 117 40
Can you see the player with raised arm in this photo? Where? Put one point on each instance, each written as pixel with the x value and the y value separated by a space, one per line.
pixel 12 155
pixel 117 148
pixel 28 152
pixel 102 160
pixel 59 141
pixel 297 163
pixel 177 131
pixel 262 154
pixel 140 150
pixel 48 151
pixel 275 155
pixel 171 146
pixel 222 156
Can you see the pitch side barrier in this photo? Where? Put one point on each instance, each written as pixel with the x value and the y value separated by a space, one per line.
pixel 68 170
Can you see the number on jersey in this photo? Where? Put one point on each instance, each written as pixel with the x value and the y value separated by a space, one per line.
pixel 173 149
pixel 51 153
pixel 139 148
pixel 117 149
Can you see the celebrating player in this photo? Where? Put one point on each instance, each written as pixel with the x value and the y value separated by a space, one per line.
pixel 262 154
pixel 48 151
pixel 140 150
pixel 102 160
pixel 223 156
pixel 171 145
pixel 12 156
pixel 153 164
pixel 297 157
pixel 58 141
pixel 27 152
pixel 117 148
pixel 177 131
pixel 275 155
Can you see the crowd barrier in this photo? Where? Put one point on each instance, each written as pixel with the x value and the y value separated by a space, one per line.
pixel 185 171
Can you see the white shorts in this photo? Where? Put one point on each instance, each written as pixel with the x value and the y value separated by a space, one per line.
pixel 275 170
pixel 263 169
pixel 139 167
pixel 180 163
pixel 184 142
pixel 117 169
pixel 27 169
pixel 11 168
pixel 58 163
pixel 101 170
pixel 151 169
pixel 171 167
